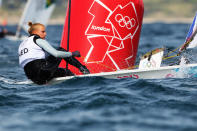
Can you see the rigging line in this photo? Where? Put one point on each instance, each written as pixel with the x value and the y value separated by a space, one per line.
pixel 169 57
pixel 185 45
pixel 133 67
pixel 173 51
pixel 101 64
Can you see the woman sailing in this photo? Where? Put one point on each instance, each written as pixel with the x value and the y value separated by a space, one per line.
pixel 40 60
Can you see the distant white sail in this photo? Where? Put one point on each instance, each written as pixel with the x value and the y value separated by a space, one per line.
pixel 36 11
pixel 0 3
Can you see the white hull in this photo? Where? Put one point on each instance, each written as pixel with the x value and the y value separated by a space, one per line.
pixel 189 70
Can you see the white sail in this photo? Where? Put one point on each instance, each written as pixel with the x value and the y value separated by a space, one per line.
pixel 36 11
pixel 192 37
pixel 0 3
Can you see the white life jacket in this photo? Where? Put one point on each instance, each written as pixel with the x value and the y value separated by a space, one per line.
pixel 29 51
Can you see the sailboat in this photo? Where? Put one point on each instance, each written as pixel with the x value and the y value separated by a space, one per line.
pixel 107 33
pixel 102 41
pixel 36 11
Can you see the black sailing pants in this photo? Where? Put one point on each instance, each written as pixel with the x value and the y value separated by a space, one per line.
pixel 43 70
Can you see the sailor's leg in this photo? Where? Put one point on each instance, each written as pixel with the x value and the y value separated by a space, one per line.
pixel 34 71
pixel 74 62
pixel 60 72
pixel 52 66
pixel 52 62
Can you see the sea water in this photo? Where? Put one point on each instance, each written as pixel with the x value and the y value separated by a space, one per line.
pixel 98 104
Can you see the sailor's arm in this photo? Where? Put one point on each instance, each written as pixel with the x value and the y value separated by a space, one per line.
pixel 48 48
pixel 184 46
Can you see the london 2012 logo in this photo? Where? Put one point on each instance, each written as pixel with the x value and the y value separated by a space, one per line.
pixel 111 31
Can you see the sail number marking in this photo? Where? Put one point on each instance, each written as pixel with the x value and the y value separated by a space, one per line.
pixel 129 76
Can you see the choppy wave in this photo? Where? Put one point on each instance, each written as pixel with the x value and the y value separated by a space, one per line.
pixel 113 104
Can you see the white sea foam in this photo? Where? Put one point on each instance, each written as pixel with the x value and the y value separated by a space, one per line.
pixel 14 82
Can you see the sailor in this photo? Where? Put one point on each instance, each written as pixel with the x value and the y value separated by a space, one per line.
pixel 4 32
pixel 40 60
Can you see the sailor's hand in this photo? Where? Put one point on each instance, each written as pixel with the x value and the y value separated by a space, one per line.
pixel 179 53
pixel 185 45
pixel 182 48
pixel 76 54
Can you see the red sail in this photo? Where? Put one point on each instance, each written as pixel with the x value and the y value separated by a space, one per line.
pixel 106 32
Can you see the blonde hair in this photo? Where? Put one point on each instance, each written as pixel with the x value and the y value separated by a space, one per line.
pixel 33 27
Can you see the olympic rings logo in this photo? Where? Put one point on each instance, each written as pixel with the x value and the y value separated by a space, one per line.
pixel 125 21
pixel 150 64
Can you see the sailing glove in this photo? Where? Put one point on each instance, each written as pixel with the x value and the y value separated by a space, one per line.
pixel 76 54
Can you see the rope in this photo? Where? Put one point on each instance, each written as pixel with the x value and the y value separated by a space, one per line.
pixel 132 67
pixel 136 66
pixel 189 40
pixel 101 64
pixel 173 51
pixel 169 57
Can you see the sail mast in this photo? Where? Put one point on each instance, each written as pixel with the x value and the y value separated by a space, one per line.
pixel 68 37
pixel 69 13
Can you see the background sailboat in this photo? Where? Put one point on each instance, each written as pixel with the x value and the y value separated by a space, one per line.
pixel 0 3
pixel 37 11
